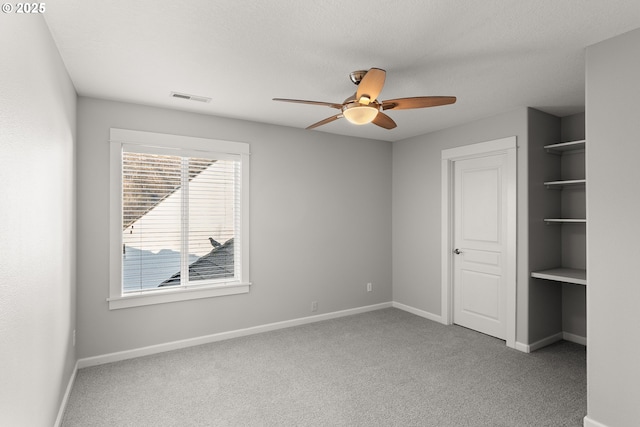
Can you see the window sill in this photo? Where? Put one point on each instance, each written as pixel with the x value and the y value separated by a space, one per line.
pixel 174 295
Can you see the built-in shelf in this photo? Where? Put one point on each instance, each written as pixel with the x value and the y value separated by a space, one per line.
pixel 566 183
pixel 561 274
pixel 565 220
pixel 565 146
pixel 561 243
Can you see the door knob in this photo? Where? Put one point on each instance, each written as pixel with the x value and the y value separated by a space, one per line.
pixel 457 251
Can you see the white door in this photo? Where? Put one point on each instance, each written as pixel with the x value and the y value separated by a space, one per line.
pixel 480 242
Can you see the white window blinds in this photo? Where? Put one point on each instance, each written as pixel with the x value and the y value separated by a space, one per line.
pixel 180 219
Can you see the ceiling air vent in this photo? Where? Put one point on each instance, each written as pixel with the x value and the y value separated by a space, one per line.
pixel 190 97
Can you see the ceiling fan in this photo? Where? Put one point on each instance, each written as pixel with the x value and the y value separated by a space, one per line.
pixel 363 106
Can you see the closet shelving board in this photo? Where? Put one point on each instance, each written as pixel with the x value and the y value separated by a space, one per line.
pixel 565 146
pixel 562 274
pixel 565 183
pixel 565 220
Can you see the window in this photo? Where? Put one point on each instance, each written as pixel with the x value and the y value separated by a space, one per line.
pixel 179 218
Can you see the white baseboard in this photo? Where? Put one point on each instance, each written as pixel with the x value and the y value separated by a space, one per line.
pixel 65 398
pixel 418 312
pixel 588 422
pixel 528 348
pixel 578 339
pixel 175 345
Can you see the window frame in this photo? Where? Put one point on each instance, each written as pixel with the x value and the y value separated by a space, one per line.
pixel 180 146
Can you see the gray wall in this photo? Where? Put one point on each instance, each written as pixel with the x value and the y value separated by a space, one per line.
pixel 573 128
pixel 416 211
pixel 37 223
pixel 320 228
pixel 613 293
pixel 545 297
pixel 574 297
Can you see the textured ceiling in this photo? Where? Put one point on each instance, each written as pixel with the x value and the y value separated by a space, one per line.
pixel 494 55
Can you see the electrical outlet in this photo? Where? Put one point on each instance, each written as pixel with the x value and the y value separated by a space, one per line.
pixel 314 306
pixel 369 287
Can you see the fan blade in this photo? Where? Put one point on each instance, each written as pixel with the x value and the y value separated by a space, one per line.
pixel 301 101
pixel 417 102
pixel 384 121
pixel 325 121
pixel 371 84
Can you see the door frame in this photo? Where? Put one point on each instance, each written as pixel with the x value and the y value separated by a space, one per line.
pixel 506 146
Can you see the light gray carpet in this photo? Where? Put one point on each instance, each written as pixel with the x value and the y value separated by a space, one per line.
pixel 382 368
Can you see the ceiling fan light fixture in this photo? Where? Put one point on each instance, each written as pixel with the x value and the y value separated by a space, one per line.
pixel 359 114
pixel 363 106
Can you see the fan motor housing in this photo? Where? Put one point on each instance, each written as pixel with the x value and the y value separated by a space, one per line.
pixel 356 76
